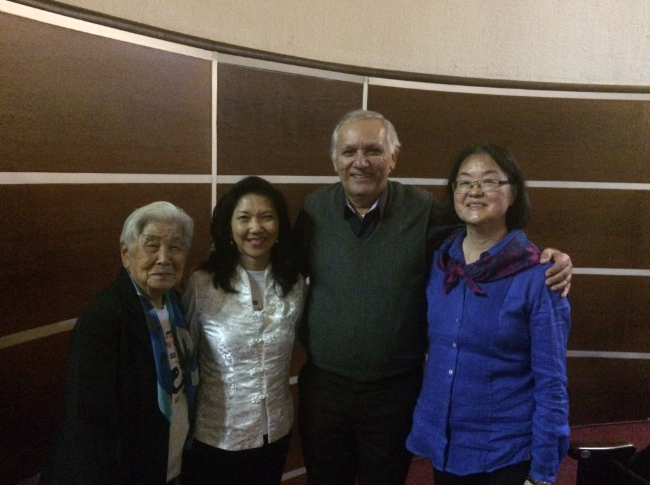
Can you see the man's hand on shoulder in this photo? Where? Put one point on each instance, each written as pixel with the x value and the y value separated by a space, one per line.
pixel 558 276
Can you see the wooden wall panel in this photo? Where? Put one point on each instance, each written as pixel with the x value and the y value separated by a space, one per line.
pixel 608 390
pixel 610 313
pixel 62 243
pixel 294 194
pixel 277 123
pixel 74 102
pixel 553 138
pixel 32 382
pixel 599 228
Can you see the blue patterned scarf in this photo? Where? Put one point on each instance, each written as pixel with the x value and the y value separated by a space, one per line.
pixel 515 256
pixel 184 347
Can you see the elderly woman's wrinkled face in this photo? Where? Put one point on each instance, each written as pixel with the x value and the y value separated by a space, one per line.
pixel 156 260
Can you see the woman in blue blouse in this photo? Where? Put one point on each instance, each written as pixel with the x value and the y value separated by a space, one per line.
pixel 494 407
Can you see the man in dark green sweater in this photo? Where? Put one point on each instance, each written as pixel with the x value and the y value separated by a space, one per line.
pixel 366 244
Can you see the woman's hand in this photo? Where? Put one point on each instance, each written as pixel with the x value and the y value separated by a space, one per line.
pixel 558 276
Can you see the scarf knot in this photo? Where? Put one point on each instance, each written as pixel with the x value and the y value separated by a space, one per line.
pixel 517 255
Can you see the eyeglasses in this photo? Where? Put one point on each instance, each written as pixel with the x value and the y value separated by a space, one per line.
pixel 486 185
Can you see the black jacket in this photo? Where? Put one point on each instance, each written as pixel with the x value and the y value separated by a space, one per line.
pixel 113 431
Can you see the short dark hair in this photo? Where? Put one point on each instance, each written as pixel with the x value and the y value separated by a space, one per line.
pixel 519 212
pixel 224 255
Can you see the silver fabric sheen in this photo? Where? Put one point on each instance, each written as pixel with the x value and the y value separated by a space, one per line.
pixel 244 359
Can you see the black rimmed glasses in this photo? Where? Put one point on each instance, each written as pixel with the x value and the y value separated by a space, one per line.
pixel 486 185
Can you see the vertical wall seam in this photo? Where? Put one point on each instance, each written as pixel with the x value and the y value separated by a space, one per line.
pixel 215 72
pixel 364 101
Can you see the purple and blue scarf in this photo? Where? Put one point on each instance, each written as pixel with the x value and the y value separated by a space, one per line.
pixel 515 256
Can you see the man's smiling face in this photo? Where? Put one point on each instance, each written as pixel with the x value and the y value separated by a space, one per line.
pixel 363 160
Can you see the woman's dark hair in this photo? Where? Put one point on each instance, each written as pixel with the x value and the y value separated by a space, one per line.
pixel 518 213
pixel 224 255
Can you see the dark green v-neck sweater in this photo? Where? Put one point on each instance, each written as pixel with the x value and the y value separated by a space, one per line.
pixel 366 313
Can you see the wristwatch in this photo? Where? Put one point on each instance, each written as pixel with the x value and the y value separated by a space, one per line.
pixel 538 482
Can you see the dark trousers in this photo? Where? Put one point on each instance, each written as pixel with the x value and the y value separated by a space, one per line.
pixel 356 430
pixel 509 475
pixel 206 465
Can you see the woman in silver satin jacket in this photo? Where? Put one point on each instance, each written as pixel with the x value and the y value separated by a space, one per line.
pixel 242 307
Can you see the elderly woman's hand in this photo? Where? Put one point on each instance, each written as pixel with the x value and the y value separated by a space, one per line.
pixel 559 275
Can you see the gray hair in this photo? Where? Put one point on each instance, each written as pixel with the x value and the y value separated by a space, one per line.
pixel 160 211
pixel 363 114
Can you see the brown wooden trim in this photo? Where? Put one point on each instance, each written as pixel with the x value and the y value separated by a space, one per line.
pixel 221 47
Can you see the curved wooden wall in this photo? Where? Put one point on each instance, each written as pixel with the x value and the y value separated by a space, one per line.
pixel 95 122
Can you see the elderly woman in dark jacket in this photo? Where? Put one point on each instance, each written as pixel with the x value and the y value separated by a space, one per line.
pixel 131 379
